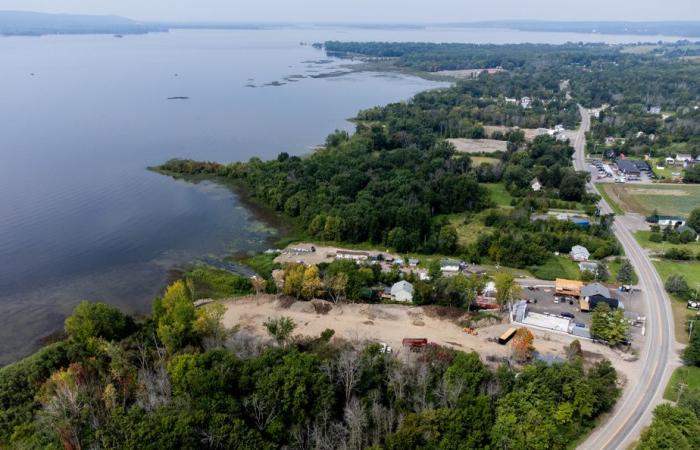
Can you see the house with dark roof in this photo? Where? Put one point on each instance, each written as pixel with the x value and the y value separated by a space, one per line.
pixel 632 167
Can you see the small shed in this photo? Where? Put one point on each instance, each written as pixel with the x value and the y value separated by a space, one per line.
pixel 535 185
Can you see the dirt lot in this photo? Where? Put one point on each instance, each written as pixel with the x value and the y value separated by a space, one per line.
pixel 392 323
pixel 530 133
pixel 478 145
pixel 312 254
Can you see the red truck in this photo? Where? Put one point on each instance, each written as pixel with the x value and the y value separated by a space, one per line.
pixel 415 344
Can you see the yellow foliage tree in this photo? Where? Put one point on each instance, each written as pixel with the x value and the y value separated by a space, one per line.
pixel 311 284
pixel 522 344
pixel 294 280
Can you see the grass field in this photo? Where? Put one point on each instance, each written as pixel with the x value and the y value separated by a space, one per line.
pixel 499 194
pixel 479 160
pixel 674 199
pixel 661 247
pixel 557 267
pixel 613 204
pixel 691 272
pixel 689 376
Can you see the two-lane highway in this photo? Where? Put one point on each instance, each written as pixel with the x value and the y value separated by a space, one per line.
pixel 658 354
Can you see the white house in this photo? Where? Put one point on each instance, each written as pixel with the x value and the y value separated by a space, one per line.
pixel 402 292
pixel 655 110
pixel 450 267
pixel 579 253
pixel 525 102
pixel 536 185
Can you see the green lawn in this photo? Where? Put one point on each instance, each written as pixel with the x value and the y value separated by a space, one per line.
pixel 499 194
pixel 479 160
pixel 667 199
pixel 557 267
pixel 691 271
pixel 604 193
pixel 690 376
pixel 661 247
pixel 614 268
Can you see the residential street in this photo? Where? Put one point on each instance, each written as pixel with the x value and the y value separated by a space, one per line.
pixel 658 355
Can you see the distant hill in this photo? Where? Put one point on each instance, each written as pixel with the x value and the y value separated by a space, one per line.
pixel 21 23
pixel 676 28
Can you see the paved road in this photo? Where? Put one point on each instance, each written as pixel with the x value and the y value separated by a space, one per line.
pixel 658 356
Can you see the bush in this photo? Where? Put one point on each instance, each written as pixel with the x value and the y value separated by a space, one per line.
pixel 656 237
pixel 677 284
pixel 98 320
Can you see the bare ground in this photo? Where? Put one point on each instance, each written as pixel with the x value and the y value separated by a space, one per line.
pixel 391 323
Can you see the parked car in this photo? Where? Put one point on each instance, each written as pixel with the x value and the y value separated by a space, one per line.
pixel 568 315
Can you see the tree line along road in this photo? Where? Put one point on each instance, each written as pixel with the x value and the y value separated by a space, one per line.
pixel 658 356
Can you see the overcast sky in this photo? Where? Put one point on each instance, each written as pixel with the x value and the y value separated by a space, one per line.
pixel 370 10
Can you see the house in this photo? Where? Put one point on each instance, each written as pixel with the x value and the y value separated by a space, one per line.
pixel 450 266
pixel 588 304
pixel 589 266
pixel 352 255
pixel 593 289
pixel 670 161
pixel 579 253
pixel 665 221
pixel 654 110
pixel 609 141
pixel 683 158
pixel 567 288
pixel 632 167
pixel 402 292
pixel 525 102
pixel 536 185
pixel 412 262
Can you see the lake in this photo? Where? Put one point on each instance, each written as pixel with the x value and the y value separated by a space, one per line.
pixel 83 116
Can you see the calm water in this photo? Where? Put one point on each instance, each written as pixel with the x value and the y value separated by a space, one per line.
pixel 81 117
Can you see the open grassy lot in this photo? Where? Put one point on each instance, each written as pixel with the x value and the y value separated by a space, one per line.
pixel 609 199
pixel 478 145
pixel 499 194
pixel 674 199
pixel 688 376
pixel 479 160
pixel 557 267
pixel 661 247
pixel 639 49
pixel 691 272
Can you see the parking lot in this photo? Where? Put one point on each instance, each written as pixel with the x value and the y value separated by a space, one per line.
pixel 542 300
pixel 607 172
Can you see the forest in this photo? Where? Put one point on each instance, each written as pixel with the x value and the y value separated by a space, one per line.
pixel 178 379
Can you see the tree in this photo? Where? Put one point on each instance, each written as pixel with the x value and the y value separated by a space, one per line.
pixel 174 315
pixel 294 280
pixel 691 354
pixel 447 240
pixel 521 345
pixel 602 274
pixel 311 283
pixel 258 284
pixel 694 220
pixel 676 284
pixel 336 285
pixel 587 276
pixel 609 325
pixel 572 188
pixel 626 273
pixel 574 351
pixel 507 289
pixel 280 328
pixel 98 320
